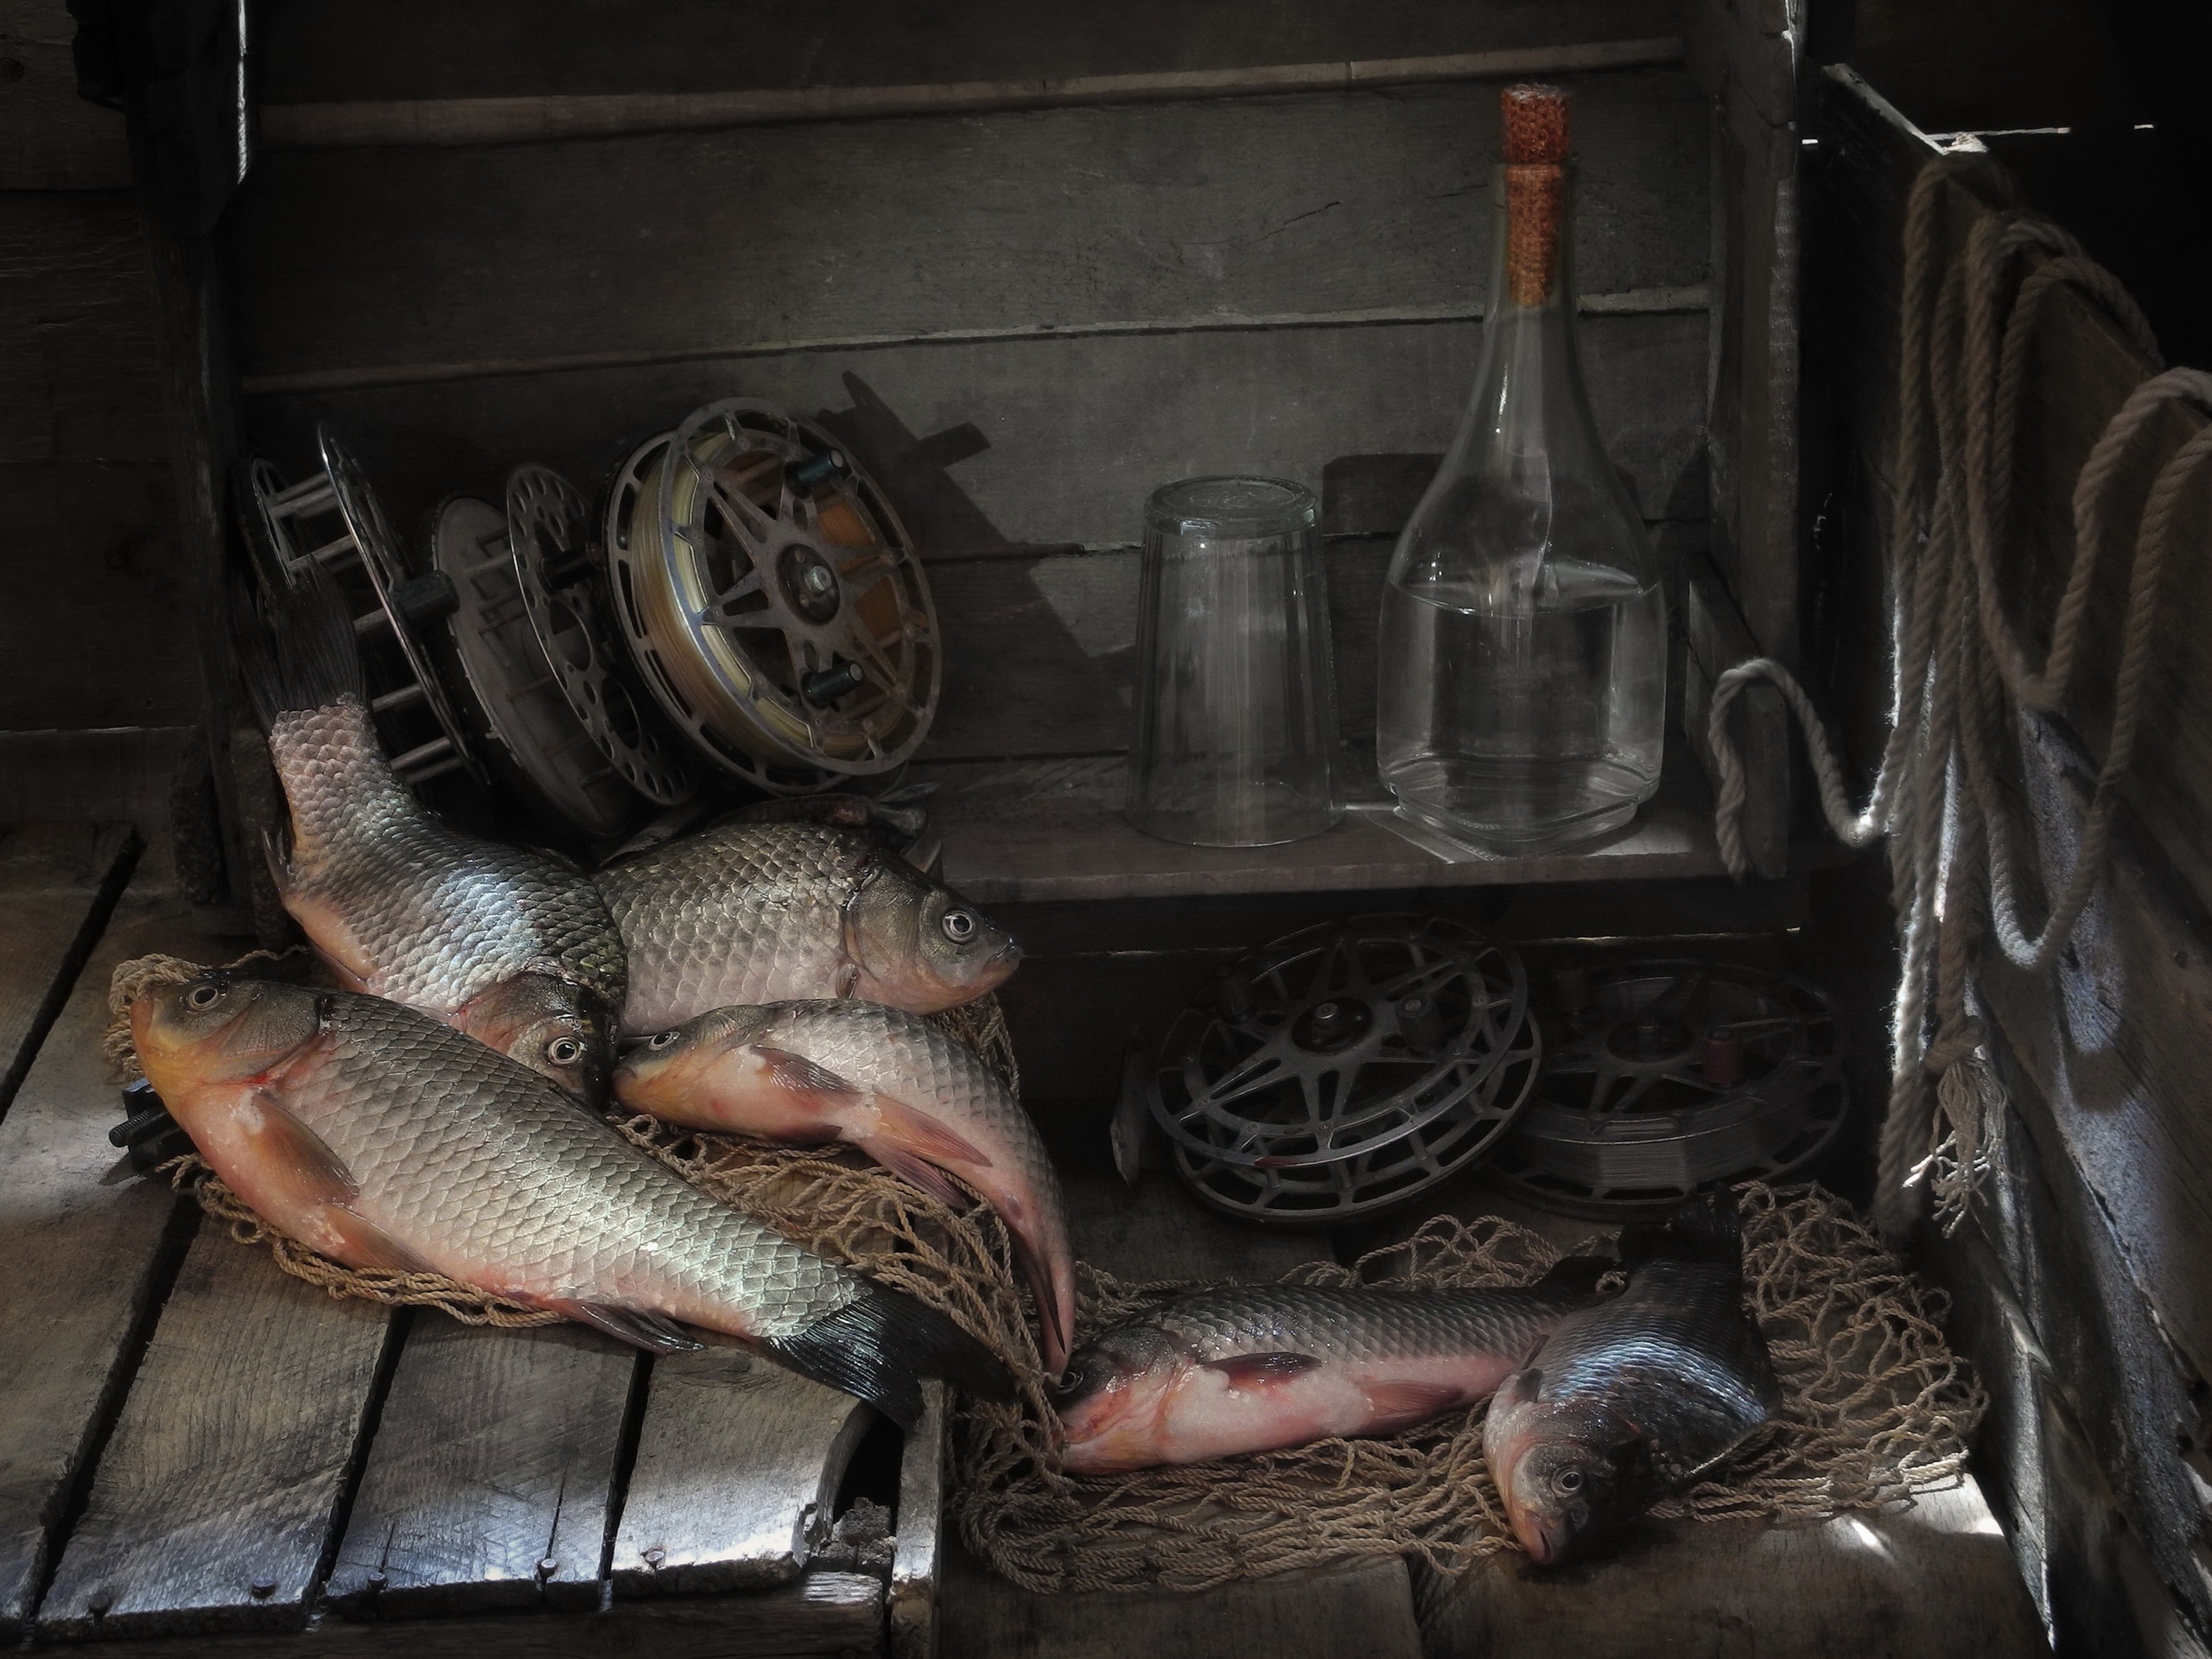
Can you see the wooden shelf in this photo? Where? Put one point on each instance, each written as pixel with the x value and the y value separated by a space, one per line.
pixel 1039 831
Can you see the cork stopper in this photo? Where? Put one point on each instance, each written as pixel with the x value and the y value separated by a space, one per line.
pixel 1535 119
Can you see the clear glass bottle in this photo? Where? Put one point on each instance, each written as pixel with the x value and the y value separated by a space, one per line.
pixel 1523 636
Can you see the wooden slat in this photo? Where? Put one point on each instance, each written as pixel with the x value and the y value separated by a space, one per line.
pixel 50 138
pixel 83 1256
pixel 1329 203
pixel 490 1475
pixel 119 773
pixel 215 1496
pixel 825 1615
pixel 327 51
pixel 738 1463
pixel 918 1558
pixel 1933 1582
pixel 58 882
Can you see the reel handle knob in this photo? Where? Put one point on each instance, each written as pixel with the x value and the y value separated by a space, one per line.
pixel 825 685
pixel 420 600
pixel 564 567
pixel 809 476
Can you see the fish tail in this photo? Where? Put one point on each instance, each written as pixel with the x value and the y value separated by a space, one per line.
pixel 879 1347
pixel 314 661
pixel 1708 1228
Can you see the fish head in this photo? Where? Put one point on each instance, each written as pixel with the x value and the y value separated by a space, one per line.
pixel 1571 1475
pixel 672 1066
pixel 1112 1397
pixel 559 1029
pixel 920 946
pixel 219 1028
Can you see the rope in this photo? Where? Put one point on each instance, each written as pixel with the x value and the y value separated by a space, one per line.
pixel 1961 672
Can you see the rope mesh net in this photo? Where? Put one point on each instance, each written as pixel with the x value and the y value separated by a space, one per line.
pixel 1876 1406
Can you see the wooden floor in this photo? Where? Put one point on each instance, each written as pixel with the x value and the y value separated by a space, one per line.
pixel 120 1516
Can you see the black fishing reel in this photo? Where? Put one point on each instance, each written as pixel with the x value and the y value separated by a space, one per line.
pixel 1661 1078
pixel 1344 1072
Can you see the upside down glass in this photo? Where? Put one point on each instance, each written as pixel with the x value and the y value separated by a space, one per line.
pixel 1235 721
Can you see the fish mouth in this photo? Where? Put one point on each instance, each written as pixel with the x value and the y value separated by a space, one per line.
pixel 1545 1544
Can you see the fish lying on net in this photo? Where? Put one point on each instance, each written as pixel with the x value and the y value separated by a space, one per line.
pixel 910 1096
pixel 400 904
pixel 1256 1368
pixel 381 1139
pixel 750 912
pixel 1628 1401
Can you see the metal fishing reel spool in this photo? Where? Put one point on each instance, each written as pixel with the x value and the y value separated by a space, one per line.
pixel 335 517
pixel 546 529
pixel 1345 1071
pixel 510 696
pixel 1661 1078
pixel 773 598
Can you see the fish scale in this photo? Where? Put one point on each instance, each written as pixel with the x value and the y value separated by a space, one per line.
pixel 1360 1323
pixel 436 916
pixel 502 1168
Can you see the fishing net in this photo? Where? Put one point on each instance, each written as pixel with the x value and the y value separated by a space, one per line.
pixel 1876 1406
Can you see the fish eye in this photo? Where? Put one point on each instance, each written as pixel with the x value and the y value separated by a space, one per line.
pixel 1567 1481
pixel 203 996
pixel 661 1039
pixel 564 1051
pixel 959 926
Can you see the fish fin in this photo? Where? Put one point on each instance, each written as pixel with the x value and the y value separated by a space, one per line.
pixel 1252 1372
pixel 316 660
pixel 1576 1276
pixel 1705 1229
pixel 1401 1405
pixel 823 1088
pixel 1051 1314
pixel 922 1173
pixel 359 1242
pixel 875 1348
pixel 925 1136
pixel 295 1163
pixel 279 860
pixel 641 1328
pixel 1517 1390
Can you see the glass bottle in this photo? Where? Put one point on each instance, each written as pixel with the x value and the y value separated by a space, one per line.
pixel 1523 635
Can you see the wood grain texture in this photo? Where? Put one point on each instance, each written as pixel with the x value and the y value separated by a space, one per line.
pixel 50 138
pixel 327 51
pixel 216 1495
pixel 491 1477
pixel 825 1616
pixel 1364 1608
pixel 918 1559
pixel 1159 1231
pixel 1933 1582
pixel 1074 432
pixel 117 773
pixel 58 882
pixel 737 1466
pixel 83 1254
pixel 927 227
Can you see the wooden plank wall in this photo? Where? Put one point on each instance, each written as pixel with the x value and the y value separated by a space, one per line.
pixel 93 592
pixel 2088 1311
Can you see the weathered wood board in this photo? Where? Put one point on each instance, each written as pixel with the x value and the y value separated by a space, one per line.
pixel 918 1559
pixel 737 1465
pixel 492 1476
pixel 216 1494
pixel 1932 1581
pixel 58 882
pixel 85 1256
pixel 51 139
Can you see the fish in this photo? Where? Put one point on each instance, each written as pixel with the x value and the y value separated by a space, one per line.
pixel 1628 1401
pixel 398 903
pixel 384 1139
pixel 912 1096
pixel 559 1030
pixel 1259 1368
pixel 745 913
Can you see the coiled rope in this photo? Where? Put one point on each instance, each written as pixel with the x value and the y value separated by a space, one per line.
pixel 1962 673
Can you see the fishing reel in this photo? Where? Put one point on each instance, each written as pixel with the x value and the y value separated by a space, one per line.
pixel 775 605
pixel 1661 1078
pixel 334 518
pixel 1343 1072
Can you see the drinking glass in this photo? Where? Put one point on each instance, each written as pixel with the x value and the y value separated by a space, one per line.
pixel 1236 724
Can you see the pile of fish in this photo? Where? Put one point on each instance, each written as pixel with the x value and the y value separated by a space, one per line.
pixel 1600 1406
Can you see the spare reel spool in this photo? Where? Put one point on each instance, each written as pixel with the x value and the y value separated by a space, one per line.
pixel 547 521
pixel 1665 1076
pixel 1346 1070
pixel 774 601
pixel 335 517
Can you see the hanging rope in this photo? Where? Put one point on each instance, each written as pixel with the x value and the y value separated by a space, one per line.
pixel 1961 672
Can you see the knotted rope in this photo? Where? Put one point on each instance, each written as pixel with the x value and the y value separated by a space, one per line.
pixel 1961 673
